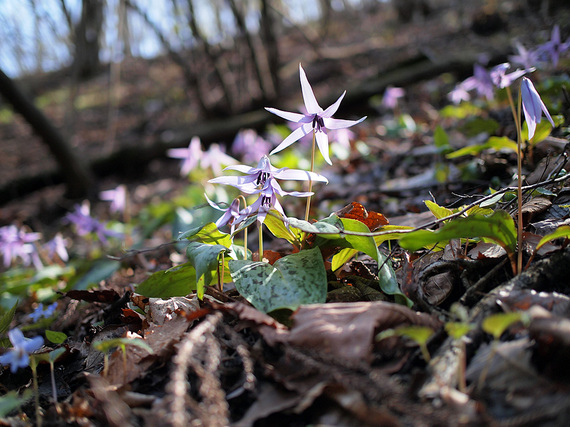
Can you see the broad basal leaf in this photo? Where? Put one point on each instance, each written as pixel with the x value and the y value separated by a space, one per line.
pixel 293 280
pixel 562 231
pixel 276 225
pixel 204 258
pixel 209 234
pixel 176 282
pixel 498 227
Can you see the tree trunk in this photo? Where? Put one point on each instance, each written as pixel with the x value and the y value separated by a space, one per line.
pixel 87 39
pixel 77 176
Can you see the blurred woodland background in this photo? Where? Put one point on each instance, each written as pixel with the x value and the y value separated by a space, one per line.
pixel 97 88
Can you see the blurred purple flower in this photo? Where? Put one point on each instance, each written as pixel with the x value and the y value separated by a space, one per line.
pixel 458 94
pixel 40 312
pixel 190 156
pixel 18 357
pixel 554 47
pixel 250 146
pixel 16 243
pixel 527 58
pixel 57 246
pixel 391 96
pixel 533 107
pixel 117 197
pixel 480 81
pixel 86 224
pixel 215 158
pixel 316 120
pixel 500 77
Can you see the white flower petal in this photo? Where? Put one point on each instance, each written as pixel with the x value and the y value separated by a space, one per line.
pixel 332 109
pixel 293 136
pixel 311 103
pixel 287 115
pixel 341 123
pixel 323 144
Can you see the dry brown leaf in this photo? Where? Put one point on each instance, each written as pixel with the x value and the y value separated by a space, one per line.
pixel 346 330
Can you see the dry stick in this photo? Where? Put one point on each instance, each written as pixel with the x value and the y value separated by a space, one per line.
pixel 519 177
pixel 308 208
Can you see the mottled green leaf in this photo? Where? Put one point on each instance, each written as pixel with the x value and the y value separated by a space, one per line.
pixel 209 234
pixel 293 280
pixel 276 225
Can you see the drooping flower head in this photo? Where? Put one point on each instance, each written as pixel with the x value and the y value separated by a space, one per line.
pixel 533 107
pixel 554 47
pixel 57 246
pixel 18 356
pixel 190 156
pixel 315 120
pixel 501 79
pixel 262 180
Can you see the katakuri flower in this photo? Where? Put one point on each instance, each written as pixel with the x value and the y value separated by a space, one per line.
pixel 117 197
pixel 86 224
pixel 230 216
pixel 501 79
pixel 190 156
pixel 57 246
pixel 316 120
pixel 262 180
pixel 554 47
pixel 18 357
pixel 391 96
pixel 533 107
pixel 16 243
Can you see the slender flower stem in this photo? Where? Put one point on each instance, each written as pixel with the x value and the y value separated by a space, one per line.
pixel 34 366
pixel 260 241
pixel 241 197
pixel 516 117
pixel 308 208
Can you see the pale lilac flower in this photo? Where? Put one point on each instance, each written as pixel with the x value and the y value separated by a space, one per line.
pixel 250 146
pixel 480 81
pixel 316 120
pixel 214 158
pixel 190 156
pixel 117 197
pixel 527 58
pixel 458 94
pixel 500 77
pixel 533 107
pixel 18 357
pixel 262 180
pixel 391 96
pixel 230 216
pixel 86 224
pixel 41 312
pixel 554 47
pixel 16 243
pixel 57 246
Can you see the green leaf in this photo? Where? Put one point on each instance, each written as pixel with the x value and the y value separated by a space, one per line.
pixel 457 329
pixel 542 131
pixel 204 258
pixel 461 111
pixel 208 234
pixel 293 280
pixel 12 401
pixel 328 228
pixel 562 231
pixel 54 354
pixel 419 334
pixel 276 225
pixel 7 318
pixel 55 337
pixel 438 211
pixel 175 282
pixel 381 238
pixel 479 125
pixel 101 270
pixel 440 138
pixel 494 142
pixel 496 324
pixel 498 227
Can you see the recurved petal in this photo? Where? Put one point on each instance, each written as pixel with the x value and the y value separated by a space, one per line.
pixel 299 175
pixel 287 115
pixel 331 123
pixel 332 109
pixel 311 103
pixel 293 136
pixel 323 144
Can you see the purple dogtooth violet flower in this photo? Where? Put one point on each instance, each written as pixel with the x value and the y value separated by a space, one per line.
pixel 554 47
pixel 57 246
pixel 315 120
pixel 17 243
pixel 391 96
pixel 230 216
pixel 190 156
pixel 262 180
pixel 533 107
pixel 18 356
pixel 501 79
pixel 117 197
pixel 86 224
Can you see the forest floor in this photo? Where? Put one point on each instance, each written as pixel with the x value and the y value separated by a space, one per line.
pixel 220 361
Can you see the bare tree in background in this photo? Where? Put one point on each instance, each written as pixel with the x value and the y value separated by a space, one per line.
pixel 87 35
